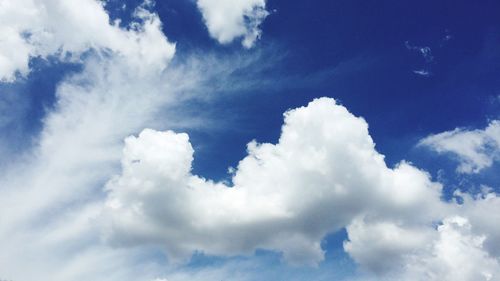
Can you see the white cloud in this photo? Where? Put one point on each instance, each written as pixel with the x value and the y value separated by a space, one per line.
pixel 228 20
pixel 482 211
pixel 369 241
pixel 461 243
pixel 322 175
pixel 457 254
pixel 286 197
pixel 475 150
pixel 35 28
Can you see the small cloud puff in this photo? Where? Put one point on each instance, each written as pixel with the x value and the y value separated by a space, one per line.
pixel 228 20
pixel 475 150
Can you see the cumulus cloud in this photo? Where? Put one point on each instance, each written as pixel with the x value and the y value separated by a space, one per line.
pixel 34 28
pixel 451 252
pixel 461 243
pixel 456 254
pixel 322 173
pixel 482 210
pixel 475 150
pixel 369 240
pixel 228 20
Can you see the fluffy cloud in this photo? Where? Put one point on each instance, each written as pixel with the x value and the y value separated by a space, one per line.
pixel 369 240
pixel 227 20
pixel 459 244
pixel 474 149
pixel 451 252
pixel 34 28
pixel 482 210
pixel 456 254
pixel 322 175
pixel 323 172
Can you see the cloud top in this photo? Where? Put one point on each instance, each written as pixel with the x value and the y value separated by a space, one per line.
pixel 323 172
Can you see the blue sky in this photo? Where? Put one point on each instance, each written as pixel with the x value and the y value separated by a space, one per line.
pixel 148 140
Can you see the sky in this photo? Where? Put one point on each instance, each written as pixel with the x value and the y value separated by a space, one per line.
pixel 175 140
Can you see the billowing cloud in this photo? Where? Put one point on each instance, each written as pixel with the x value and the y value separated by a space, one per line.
pixel 34 28
pixel 228 20
pixel 456 254
pixel 475 150
pixel 451 251
pixel 322 175
pixel 482 210
pixel 285 197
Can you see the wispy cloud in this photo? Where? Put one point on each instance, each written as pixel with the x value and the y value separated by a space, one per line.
pixel 422 72
pixel 426 54
pixel 475 150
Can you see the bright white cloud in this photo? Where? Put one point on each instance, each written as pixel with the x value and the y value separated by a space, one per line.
pixel 475 150
pixel 286 197
pixel 228 20
pixel 482 211
pixel 35 28
pixel 369 240
pixel 461 245
pixel 456 254
pixel 323 174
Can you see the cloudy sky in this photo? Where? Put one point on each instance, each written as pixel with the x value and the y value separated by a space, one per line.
pixel 177 140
